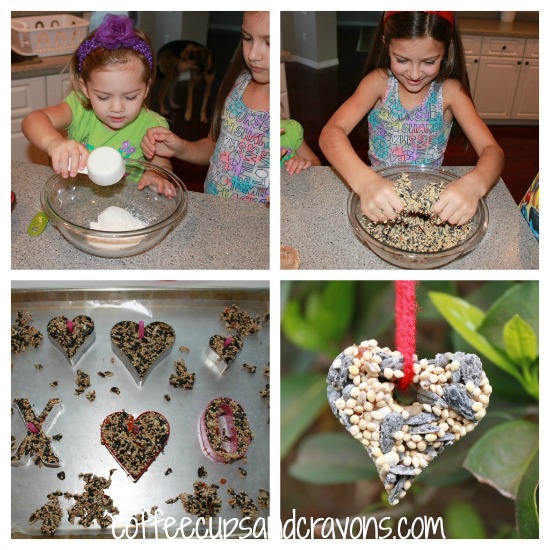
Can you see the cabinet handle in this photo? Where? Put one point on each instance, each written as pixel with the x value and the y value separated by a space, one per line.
pixel 519 62
pixel 476 60
pixel 527 63
pixel 503 47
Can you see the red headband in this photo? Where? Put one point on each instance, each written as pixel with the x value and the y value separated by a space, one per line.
pixel 448 15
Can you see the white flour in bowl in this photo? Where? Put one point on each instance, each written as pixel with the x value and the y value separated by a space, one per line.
pixel 114 218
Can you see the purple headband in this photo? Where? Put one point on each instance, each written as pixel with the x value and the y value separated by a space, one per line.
pixel 116 31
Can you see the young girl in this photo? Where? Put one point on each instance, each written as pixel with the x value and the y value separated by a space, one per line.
pixel 415 84
pixel 296 154
pixel 237 146
pixel 112 72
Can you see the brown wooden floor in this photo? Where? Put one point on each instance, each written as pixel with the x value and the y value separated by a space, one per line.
pixel 315 95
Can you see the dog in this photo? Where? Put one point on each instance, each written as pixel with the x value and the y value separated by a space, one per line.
pixel 180 56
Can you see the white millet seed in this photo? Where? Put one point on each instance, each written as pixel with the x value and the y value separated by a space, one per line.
pixel 398 435
pixel 340 404
pixel 470 386
pixel 477 406
pixel 354 430
pixel 388 373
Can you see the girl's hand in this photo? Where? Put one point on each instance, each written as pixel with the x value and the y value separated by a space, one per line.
pixel 156 183
pixel 67 153
pixel 162 142
pixel 379 201
pixel 296 164
pixel 458 203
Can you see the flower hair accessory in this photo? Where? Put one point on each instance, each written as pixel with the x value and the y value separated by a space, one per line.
pixel 448 15
pixel 116 31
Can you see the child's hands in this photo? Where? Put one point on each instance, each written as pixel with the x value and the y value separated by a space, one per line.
pixel 162 142
pixel 156 183
pixel 67 153
pixel 379 201
pixel 296 164
pixel 458 203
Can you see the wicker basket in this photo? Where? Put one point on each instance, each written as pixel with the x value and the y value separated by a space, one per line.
pixel 47 35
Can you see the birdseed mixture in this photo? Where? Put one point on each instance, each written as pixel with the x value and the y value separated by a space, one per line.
pixel 241 321
pixel 226 447
pixel 50 514
pixel 417 228
pixel 244 503
pixel 36 443
pixel 135 442
pixel 204 502
pixel 182 378
pixel 142 353
pixel 263 498
pixel 93 503
pixel 250 368
pixel 23 334
pixel 227 347
pixel 82 382
pixel 452 397
pixel 70 342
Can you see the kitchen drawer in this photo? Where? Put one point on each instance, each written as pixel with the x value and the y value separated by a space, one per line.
pixel 502 46
pixel 27 94
pixel 471 44
pixel 531 48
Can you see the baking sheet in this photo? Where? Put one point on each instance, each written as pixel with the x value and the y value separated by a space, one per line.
pixel 195 317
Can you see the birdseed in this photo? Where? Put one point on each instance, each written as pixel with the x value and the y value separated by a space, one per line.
pixel 70 342
pixel 168 472
pixel 82 382
pixel 241 321
pixel 250 368
pixel 242 472
pixel 202 473
pixel 105 374
pixel 61 476
pixel 38 366
pixel 115 390
pixel 23 335
pixel 93 504
pixel 50 514
pixel 244 503
pixel 90 396
pixel 227 347
pixel 184 349
pixel 182 378
pixel 167 397
pixel 263 498
pixel 417 228
pixel 204 502
pixel 402 440
pixel 135 442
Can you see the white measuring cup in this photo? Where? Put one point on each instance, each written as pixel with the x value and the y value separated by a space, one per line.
pixel 105 166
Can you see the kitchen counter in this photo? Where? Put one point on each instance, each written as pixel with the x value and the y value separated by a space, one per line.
pixel 215 233
pixel 314 220
pixel 494 27
pixel 40 66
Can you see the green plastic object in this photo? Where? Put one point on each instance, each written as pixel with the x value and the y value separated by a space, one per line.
pixel 38 224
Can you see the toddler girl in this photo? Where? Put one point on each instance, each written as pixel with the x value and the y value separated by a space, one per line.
pixel 237 146
pixel 415 85
pixel 112 71
pixel 296 155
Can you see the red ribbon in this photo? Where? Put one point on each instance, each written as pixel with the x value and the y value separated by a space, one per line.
pixel 405 328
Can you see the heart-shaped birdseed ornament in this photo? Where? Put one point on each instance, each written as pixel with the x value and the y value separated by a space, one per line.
pixel 223 350
pixel 135 442
pixel 452 397
pixel 140 347
pixel 72 337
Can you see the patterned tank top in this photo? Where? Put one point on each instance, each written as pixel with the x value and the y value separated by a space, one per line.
pixel 400 136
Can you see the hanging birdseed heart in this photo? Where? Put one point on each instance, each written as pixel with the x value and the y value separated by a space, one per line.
pixel 452 397
pixel 223 350
pixel 135 442
pixel 140 347
pixel 72 338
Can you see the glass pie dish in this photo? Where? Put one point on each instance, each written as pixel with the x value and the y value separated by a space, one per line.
pixel 74 206
pixel 419 176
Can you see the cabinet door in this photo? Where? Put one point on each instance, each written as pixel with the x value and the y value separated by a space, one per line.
pixel 472 66
pixel 526 102
pixel 497 80
pixel 471 44
pixel 58 87
pixel 27 95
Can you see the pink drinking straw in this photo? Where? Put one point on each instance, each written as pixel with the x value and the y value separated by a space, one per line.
pixel 32 428
pixel 141 329
pixel 227 342
pixel 70 327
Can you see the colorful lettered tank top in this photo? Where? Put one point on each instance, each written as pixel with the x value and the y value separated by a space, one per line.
pixel 239 167
pixel 399 136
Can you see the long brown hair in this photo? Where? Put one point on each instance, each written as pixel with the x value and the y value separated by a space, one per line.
pixel 409 25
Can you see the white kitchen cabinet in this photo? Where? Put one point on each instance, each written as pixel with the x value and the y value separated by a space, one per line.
pixel 27 95
pixel 504 77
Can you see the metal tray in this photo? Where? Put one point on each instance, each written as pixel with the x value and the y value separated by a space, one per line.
pixel 195 317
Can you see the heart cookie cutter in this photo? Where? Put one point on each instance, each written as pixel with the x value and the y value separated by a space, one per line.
pixel 73 337
pixel 452 397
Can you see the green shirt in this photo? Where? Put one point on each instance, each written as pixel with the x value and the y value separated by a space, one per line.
pixel 291 139
pixel 87 129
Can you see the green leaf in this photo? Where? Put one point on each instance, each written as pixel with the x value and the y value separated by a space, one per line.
pixel 298 330
pixel 466 319
pixel 522 299
pixel 462 521
pixel 329 458
pixel 502 456
pixel 527 514
pixel 520 341
pixel 303 397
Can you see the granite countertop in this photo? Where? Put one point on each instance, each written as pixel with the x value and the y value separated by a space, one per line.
pixel 494 27
pixel 215 233
pixel 314 220
pixel 40 66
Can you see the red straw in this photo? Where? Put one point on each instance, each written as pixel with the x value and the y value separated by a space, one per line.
pixel 405 327
pixel 141 329
pixel 70 327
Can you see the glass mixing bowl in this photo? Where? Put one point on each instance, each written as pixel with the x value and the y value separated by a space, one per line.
pixel 419 176
pixel 73 204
